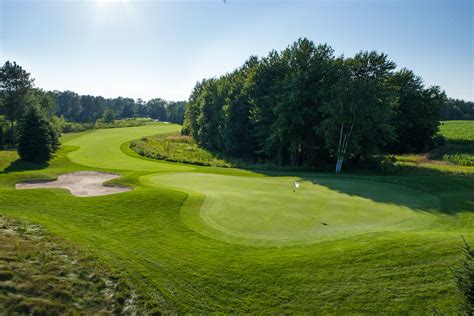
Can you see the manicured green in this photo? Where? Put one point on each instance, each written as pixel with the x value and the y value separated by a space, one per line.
pixel 391 256
pixel 269 211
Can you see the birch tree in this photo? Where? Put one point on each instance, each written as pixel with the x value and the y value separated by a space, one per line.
pixel 357 117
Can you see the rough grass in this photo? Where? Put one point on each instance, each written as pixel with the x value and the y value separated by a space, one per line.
pixel 177 268
pixel 176 148
pixel 40 275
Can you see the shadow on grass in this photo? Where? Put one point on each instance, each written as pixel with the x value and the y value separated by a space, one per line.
pixel 455 194
pixel 20 165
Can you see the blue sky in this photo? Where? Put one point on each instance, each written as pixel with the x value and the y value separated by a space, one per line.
pixel 145 49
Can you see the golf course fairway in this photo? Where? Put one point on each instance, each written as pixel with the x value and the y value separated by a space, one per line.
pixel 201 240
pixel 102 149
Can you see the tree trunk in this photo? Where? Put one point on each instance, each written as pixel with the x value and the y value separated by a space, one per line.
pixel 342 148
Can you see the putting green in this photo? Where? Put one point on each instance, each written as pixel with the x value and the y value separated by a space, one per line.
pixel 265 210
pixel 101 149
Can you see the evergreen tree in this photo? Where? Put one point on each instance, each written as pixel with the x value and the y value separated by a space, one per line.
pixel 38 138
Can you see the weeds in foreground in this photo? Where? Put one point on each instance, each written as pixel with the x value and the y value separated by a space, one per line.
pixel 41 276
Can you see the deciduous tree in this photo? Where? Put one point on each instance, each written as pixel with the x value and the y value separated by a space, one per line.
pixel 15 85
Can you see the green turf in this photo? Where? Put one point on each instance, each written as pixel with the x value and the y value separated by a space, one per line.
pixel 457 131
pixel 102 148
pixel 268 210
pixel 391 256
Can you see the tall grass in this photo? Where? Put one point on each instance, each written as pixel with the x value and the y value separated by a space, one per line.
pixel 176 148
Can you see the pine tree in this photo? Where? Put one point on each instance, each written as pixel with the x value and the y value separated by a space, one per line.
pixel 38 138
pixel 464 273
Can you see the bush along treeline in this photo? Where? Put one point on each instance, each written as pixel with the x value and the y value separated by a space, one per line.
pixel 70 112
pixel 454 109
pixel 305 106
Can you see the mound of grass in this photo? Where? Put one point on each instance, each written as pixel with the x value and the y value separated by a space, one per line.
pixel 177 148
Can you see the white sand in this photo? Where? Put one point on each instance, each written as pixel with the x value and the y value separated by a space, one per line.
pixel 82 183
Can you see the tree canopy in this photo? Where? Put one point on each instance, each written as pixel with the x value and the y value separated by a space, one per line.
pixel 304 106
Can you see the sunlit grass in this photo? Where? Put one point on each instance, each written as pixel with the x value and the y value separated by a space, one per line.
pixel 146 234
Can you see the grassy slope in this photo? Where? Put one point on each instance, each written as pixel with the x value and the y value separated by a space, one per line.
pixel 142 234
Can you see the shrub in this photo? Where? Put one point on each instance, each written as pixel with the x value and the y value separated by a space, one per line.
pixel 109 116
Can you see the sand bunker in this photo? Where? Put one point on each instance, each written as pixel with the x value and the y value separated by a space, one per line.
pixel 82 183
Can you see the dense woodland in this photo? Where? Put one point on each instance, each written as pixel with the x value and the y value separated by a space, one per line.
pixel 87 108
pixel 305 106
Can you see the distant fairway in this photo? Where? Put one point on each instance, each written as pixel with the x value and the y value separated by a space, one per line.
pixel 267 211
pixel 201 240
pixel 101 149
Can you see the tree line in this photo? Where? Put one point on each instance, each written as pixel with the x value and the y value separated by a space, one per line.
pixel 18 95
pixel 87 109
pixel 306 106
pixel 455 109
